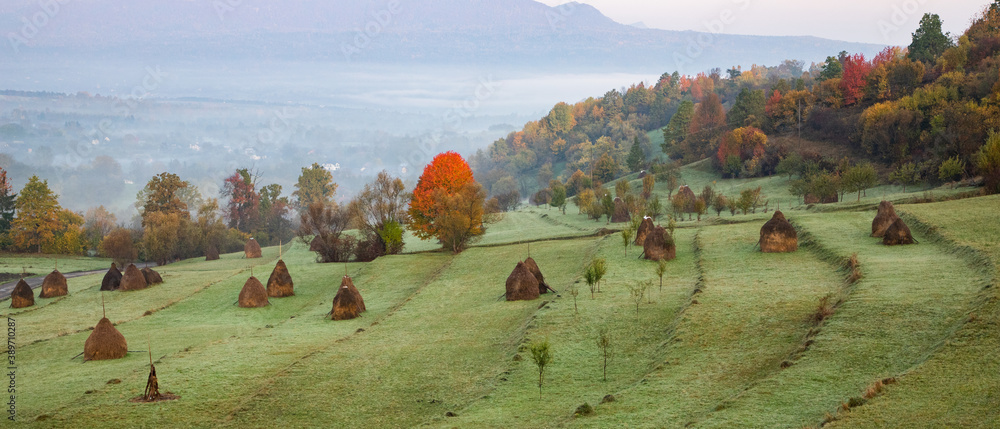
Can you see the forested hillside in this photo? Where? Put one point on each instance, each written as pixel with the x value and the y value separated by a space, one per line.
pixel 922 113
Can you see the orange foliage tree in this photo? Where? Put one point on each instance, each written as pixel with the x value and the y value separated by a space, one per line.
pixel 445 178
pixel 742 147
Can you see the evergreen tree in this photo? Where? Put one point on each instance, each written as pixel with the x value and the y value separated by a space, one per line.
pixel 677 129
pixel 7 201
pixel 748 110
pixel 928 41
pixel 636 157
pixel 833 69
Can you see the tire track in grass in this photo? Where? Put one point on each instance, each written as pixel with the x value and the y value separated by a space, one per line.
pixel 214 376
pixel 950 388
pixel 530 327
pixel 38 316
pixel 302 360
pixel 909 301
pixel 749 316
pixel 46 348
pixel 441 350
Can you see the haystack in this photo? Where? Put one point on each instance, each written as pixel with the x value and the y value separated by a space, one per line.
pixel 54 285
pixel 689 198
pixel 132 279
pixel 348 304
pixel 253 294
pixel 104 343
pixel 152 277
pixel 778 235
pixel 897 234
pixel 659 245
pixel 644 229
pixel 280 284
pixel 543 287
pixel 252 249
pixel 212 253
pixel 621 213
pixel 521 284
pixel 112 280
pixel 22 296
pixel 884 219
pixel 347 281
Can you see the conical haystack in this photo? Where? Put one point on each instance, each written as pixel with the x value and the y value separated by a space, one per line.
pixel 253 294
pixel 212 253
pixel 543 287
pixel 280 284
pixel 252 249
pixel 644 229
pixel 897 234
pixel 521 284
pixel 689 197
pixel 347 281
pixel 152 277
pixel 104 343
pixel 778 235
pixel 884 219
pixel 132 279
pixel 621 213
pixel 112 279
pixel 54 285
pixel 659 245
pixel 22 296
pixel 348 303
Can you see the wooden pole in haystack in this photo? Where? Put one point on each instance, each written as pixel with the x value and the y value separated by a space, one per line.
pixel 152 392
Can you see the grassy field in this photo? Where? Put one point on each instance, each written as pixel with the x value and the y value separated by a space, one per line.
pixel 44 264
pixel 730 340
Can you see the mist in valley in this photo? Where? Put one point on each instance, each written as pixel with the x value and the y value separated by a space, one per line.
pixel 99 96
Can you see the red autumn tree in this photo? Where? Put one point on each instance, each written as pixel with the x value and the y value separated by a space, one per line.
pixel 243 210
pixel 852 84
pixel 445 177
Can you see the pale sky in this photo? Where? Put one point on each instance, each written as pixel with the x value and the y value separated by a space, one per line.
pixel 884 22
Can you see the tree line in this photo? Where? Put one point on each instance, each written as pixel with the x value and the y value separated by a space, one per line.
pixel 176 221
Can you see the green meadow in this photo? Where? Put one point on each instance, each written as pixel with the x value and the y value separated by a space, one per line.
pixel 731 339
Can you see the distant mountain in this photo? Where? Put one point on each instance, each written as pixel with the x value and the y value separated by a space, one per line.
pixel 482 32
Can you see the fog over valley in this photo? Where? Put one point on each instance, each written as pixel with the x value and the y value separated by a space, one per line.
pixel 101 95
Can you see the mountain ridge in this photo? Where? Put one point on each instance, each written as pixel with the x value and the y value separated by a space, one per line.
pixel 387 31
